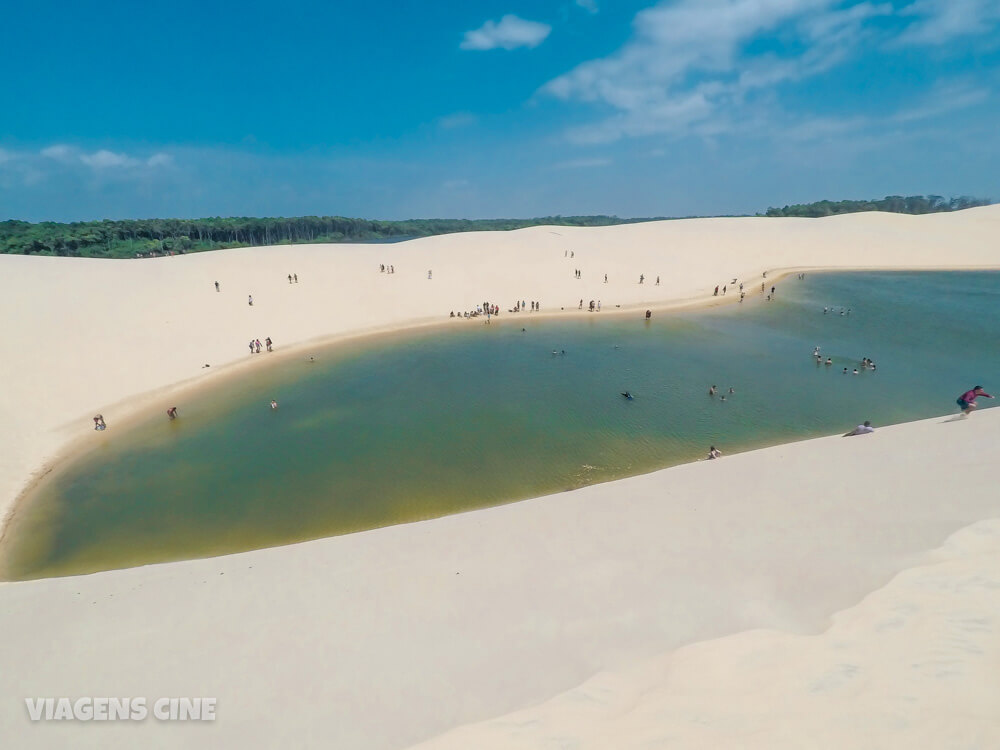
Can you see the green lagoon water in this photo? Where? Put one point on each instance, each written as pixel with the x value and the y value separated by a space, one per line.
pixel 470 416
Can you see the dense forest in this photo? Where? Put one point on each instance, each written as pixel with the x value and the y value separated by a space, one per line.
pixel 143 238
pixel 151 237
pixel 897 204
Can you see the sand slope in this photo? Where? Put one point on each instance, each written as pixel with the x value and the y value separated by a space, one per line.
pixel 390 637
pixel 913 665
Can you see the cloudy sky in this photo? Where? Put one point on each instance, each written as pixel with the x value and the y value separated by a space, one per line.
pixel 484 109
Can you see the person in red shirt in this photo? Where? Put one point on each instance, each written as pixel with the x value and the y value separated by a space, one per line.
pixel 967 401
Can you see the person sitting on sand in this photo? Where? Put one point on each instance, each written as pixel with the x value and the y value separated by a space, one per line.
pixel 99 422
pixel 172 412
pixel 967 401
pixel 861 429
pixel 714 452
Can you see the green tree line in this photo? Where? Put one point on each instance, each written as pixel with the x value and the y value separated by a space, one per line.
pixel 141 238
pixel 897 204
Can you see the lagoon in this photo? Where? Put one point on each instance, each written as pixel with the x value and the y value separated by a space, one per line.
pixel 437 422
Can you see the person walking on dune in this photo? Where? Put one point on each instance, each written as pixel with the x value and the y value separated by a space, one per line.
pixel 967 401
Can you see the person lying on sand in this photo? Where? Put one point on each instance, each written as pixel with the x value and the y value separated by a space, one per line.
pixel 861 429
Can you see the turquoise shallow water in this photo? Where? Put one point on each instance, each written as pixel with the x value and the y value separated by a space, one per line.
pixel 476 415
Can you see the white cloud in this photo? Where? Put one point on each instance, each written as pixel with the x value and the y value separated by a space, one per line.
pixel 59 152
pixel 588 5
pixel 511 32
pixel 160 159
pixel 692 66
pixel 105 159
pixel 943 100
pixel 646 80
pixel 940 21
pixel 102 159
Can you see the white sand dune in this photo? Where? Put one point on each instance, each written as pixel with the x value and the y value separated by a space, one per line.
pixel 913 665
pixel 390 637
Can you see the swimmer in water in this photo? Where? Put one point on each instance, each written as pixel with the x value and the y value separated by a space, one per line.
pixel 627 395
pixel 274 404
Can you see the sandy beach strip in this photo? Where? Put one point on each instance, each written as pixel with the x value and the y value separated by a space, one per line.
pixel 388 638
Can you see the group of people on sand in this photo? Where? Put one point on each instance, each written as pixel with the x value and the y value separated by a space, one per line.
pixel 721 290
pixel 255 345
pixel 486 308
pixel 294 276
pixel 383 268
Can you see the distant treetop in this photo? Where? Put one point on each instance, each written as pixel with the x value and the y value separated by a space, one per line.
pixel 143 238
pixel 897 204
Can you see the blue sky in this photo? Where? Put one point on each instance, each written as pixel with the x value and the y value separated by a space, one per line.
pixel 487 109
